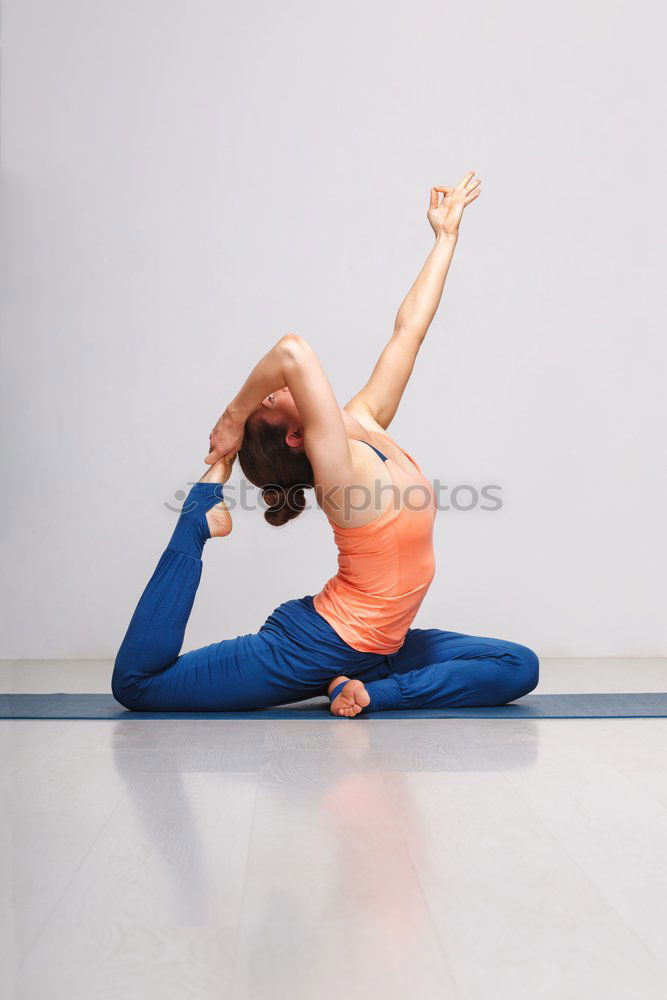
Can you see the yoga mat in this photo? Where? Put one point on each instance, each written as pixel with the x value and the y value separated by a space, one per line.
pixel 533 706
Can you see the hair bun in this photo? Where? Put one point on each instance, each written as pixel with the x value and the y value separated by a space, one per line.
pixel 283 505
pixel 274 496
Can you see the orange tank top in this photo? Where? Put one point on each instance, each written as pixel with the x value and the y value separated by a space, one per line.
pixel 384 567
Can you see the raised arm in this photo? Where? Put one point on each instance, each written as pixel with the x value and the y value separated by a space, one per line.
pixel 378 401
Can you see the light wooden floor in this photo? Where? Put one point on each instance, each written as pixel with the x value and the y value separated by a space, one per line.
pixel 262 860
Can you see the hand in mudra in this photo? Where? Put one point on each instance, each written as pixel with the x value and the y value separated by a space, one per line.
pixel 445 215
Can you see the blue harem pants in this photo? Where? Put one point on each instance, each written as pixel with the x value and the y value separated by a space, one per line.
pixel 295 653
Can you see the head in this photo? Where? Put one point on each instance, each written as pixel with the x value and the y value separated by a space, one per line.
pixel 272 456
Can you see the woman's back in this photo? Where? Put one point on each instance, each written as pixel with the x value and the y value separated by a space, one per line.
pixel 386 566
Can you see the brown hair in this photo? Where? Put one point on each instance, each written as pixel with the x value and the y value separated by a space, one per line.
pixel 281 472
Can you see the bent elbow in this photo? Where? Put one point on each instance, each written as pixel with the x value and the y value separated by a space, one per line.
pixel 293 347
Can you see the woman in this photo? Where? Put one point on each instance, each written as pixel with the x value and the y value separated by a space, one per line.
pixel 353 639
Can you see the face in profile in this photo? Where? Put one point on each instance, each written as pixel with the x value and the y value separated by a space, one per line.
pixel 279 409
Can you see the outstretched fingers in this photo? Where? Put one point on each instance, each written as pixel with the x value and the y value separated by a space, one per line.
pixel 468 187
pixel 465 180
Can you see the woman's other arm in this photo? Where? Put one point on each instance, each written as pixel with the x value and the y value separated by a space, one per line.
pixel 293 363
pixel 378 401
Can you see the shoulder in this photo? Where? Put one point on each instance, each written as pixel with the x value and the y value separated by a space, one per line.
pixel 355 500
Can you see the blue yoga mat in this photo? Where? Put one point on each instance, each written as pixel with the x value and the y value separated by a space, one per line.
pixel 534 706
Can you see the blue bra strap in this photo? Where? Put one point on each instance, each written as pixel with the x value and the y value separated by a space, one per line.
pixel 376 450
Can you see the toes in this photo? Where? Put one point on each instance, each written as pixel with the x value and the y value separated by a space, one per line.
pixel 351 702
pixel 349 705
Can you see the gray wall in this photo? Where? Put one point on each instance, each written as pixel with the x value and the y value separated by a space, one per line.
pixel 184 182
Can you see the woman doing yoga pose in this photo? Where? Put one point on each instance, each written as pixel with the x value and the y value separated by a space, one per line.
pixel 353 640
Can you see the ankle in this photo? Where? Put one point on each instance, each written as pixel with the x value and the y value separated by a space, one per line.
pixel 191 531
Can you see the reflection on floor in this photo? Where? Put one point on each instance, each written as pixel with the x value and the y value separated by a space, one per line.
pixel 261 859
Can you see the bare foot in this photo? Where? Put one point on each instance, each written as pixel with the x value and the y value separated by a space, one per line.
pixel 219 520
pixel 218 517
pixel 351 699
pixel 218 473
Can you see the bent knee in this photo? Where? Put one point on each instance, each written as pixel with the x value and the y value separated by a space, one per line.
pixel 529 669
pixel 123 688
pixel 121 694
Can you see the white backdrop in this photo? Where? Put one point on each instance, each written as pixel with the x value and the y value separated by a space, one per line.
pixel 184 182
